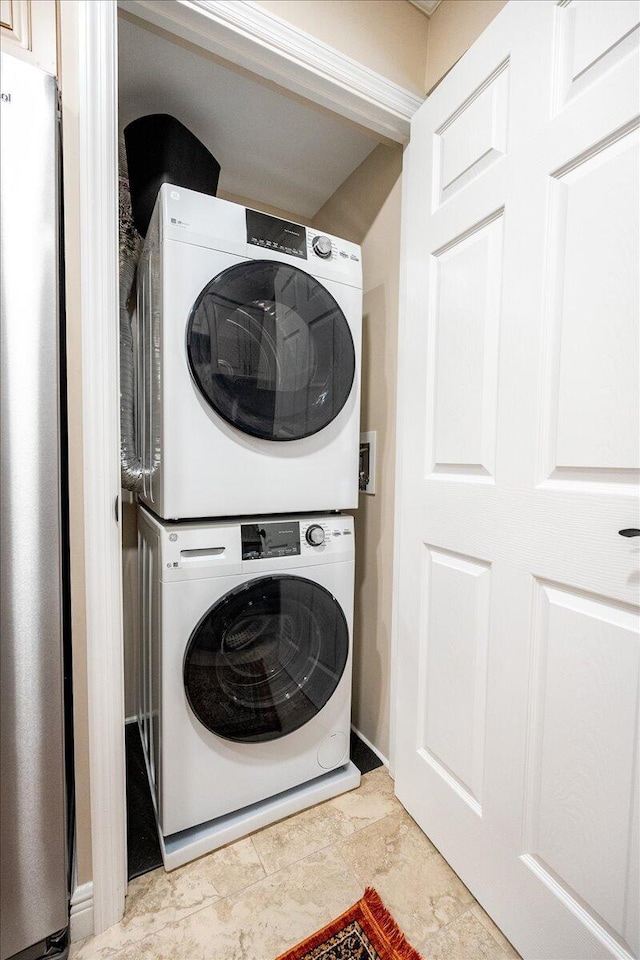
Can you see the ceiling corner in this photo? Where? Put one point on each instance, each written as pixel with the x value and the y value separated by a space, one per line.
pixel 425 6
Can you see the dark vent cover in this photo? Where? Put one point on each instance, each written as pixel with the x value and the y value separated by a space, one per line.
pixel 160 150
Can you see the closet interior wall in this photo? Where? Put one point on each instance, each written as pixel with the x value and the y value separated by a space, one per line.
pixel 366 209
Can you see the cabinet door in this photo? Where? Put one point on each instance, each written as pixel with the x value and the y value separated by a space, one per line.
pixel 29 31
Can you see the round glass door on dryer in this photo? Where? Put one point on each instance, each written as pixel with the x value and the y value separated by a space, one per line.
pixel 266 658
pixel 271 351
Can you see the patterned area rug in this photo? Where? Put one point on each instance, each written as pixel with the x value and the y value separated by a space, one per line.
pixel 366 931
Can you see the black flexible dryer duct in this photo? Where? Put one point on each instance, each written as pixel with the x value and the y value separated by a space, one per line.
pixel 132 470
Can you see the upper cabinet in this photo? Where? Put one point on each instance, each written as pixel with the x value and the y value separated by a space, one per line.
pixel 29 31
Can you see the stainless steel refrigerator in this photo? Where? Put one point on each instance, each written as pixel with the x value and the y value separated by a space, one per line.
pixel 33 824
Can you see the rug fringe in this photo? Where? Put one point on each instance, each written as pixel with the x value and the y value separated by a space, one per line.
pixel 388 926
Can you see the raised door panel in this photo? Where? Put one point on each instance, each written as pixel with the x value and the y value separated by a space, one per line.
pixel 599 27
pixel 453 673
pixel 464 354
pixel 594 304
pixel 592 37
pixel 473 137
pixel 583 745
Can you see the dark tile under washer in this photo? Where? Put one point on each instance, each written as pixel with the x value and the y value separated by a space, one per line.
pixel 143 846
pixel 363 757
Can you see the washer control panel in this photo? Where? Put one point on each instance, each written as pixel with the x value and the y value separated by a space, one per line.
pixel 325 534
pixel 315 535
pixel 264 540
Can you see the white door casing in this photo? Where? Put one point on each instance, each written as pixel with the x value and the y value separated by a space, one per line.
pixel 325 76
pixel 517 601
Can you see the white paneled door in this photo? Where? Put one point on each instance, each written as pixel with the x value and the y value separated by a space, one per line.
pixel 518 650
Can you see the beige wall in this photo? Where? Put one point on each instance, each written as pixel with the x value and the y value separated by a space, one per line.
pixel 388 36
pixel 453 27
pixel 366 209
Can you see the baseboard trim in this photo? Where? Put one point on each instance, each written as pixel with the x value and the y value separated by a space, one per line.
pixel 81 913
pixel 368 743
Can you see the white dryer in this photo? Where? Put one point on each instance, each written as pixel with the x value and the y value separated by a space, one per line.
pixel 249 360
pixel 245 665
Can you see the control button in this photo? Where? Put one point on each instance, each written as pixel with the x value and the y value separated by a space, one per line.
pixel 321 247
pixel 315 535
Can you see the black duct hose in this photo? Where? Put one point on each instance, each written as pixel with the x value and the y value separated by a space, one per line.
pixel 155 149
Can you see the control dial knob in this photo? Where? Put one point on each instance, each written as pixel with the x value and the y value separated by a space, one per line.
pixel 322 246
pixel 315 535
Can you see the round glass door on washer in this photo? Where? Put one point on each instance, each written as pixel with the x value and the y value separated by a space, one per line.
pixel 266 658
pixel 245 661
pixel 250 330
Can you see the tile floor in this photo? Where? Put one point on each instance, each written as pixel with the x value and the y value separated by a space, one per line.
pixel 261 895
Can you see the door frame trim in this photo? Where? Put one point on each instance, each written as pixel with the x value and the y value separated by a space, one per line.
pixel 402 412
pixel 98 219
pixel 269 48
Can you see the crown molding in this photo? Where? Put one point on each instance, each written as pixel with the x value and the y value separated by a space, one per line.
pixel 249 36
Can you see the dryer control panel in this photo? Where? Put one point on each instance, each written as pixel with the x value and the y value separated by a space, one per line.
pixel 275 234
pixel 283 236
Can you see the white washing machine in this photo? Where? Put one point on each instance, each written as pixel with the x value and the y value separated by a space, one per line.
pixel 249 360
pixel 245 668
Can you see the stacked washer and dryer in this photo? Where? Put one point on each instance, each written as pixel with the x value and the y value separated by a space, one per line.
pixel 249 331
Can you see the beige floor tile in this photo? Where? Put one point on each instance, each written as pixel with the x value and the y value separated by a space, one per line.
pixel 495 931
pixel 76 947
pixel 416 884
pixel 262 921
pixel 305 833
pixel 284 843
pixel 158 898
pixel 465 938
pixel 373 800
pixel 223 907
